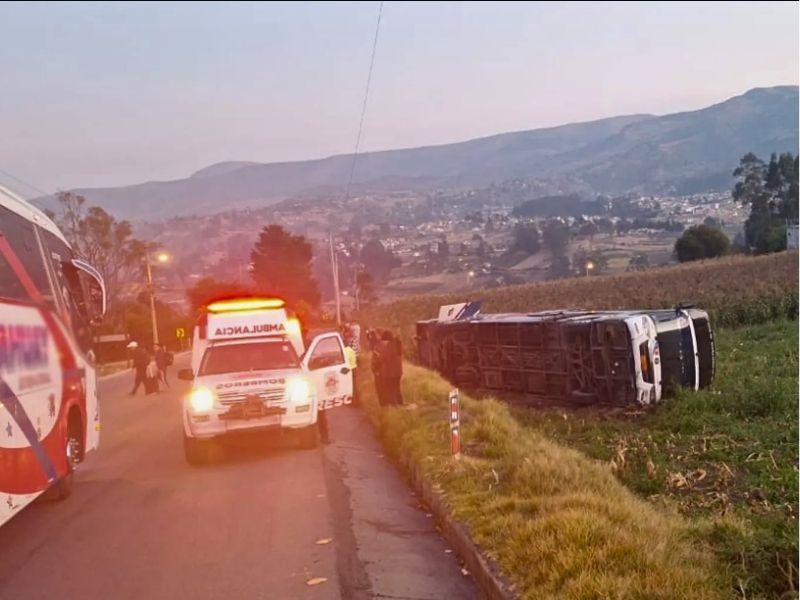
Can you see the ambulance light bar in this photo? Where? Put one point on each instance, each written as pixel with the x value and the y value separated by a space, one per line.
pixel 241 304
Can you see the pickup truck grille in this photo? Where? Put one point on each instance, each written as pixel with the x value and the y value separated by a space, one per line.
pixel 269 397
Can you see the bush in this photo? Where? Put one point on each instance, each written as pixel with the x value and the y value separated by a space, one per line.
pixel 702 241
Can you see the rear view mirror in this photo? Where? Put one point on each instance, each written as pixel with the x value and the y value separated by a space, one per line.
pixel 186 374
pixel 93 288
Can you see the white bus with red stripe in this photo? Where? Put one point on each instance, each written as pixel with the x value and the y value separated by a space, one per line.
pixel 49 417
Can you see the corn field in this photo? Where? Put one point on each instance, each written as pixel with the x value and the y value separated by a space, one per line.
pixel 737 290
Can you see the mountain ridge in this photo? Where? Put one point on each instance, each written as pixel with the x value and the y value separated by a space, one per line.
pixel 641 152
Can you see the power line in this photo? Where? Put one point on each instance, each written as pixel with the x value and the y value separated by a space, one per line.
pixel 25 183
pixel 364 105
pixel 334 262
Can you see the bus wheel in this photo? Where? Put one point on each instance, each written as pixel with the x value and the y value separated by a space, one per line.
pixel 195 451
pixel 62 488
pixel 308 437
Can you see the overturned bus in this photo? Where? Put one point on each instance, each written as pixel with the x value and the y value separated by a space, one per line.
pixel 581 357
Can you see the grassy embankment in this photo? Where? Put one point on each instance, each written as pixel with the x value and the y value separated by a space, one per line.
pixel 695 498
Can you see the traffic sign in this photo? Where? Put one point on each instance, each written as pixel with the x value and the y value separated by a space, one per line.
pixel 180 333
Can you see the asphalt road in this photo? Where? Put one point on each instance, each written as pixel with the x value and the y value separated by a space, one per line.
pixel 142 523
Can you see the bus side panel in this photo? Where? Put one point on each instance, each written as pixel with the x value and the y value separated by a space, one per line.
pixel 74 323
pixel 32 408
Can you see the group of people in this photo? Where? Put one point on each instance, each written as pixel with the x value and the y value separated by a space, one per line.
pixel 387 366
pixel 149 368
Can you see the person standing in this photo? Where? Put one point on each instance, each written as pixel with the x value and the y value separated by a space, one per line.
pixel 322 426
pixel 389 370
pixel 393 370
pixel 151 376
pixel 351 351
pixel 352 362
pixel 162 362
pixel 377 365
pixel 140 362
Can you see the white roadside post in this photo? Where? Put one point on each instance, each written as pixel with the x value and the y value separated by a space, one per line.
pixel 455 424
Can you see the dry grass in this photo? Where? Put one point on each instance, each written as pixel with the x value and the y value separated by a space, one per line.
pixel 559 524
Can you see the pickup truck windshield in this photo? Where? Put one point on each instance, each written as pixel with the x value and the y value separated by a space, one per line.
pixel 235 358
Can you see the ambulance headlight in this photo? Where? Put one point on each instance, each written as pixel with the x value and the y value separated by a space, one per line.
pixel 298 391
pixel 201 399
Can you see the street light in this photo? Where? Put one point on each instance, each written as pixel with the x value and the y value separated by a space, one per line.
pixel 589 267
pixel 163 258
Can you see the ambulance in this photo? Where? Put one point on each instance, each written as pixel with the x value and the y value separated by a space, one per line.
pixel 252 372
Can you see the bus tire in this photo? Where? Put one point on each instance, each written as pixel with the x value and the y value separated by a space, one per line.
pixel 308 437
pixel 195 451
pixel 73 444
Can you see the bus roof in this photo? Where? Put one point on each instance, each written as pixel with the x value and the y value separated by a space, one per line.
pixel 561 316
pixel 28 211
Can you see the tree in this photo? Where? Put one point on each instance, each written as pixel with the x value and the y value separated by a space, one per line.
pixel 101 240
pixel 134 319
pixel 638 262
pixel 701 241
pixel 208 289
pixel 555 236
pixel 588 229
pixel 377 260
pixel 443 249
pixel 526 238
pixel 281 265
pixel 559 267
pixel 593 263
pixel 365 286
pixel 771 192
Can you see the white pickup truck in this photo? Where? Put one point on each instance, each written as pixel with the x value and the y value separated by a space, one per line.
pixel 251 371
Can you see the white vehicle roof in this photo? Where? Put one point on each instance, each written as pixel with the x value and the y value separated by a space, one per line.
pixel 25 209
pixel 553 315
pixel 274 339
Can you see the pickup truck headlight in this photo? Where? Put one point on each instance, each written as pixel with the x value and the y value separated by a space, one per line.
pixel 201 399
pixel 298 391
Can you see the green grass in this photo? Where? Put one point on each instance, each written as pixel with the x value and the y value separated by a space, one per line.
pixel 726 458
pixel 559 524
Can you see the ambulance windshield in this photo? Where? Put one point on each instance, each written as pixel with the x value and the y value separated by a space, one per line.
pixel 260 356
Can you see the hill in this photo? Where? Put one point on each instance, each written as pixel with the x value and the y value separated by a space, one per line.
pixel 682 152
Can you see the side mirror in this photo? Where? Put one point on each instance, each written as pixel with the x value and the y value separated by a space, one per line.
pixel 94 288
pixel 186 374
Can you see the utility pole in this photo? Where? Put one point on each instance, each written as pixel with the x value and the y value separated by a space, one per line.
pixel 151 289
pixel 356 286
pixel 163 258
pixel 335 272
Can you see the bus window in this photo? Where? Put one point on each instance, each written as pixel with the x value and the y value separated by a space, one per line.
pixel 69 288
pixel 92 288
pixel 10 285
pixel 20 235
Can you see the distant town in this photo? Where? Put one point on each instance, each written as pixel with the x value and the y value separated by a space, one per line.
pixel 445 241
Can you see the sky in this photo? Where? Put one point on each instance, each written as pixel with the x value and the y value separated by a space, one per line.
pixel 105 94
